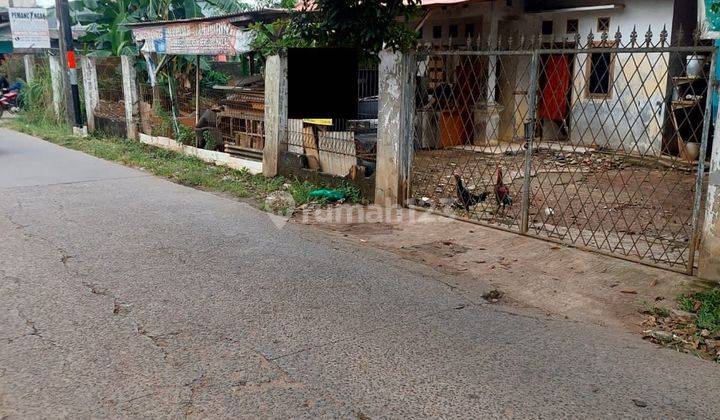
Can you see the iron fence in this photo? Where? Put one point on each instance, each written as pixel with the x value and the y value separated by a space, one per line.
pixel 111 103
pixel 341 147
pixel 595 142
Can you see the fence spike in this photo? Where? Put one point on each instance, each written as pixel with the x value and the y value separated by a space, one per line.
pixel 478 42
pixel 697 34
pixel 633 36
pixel 604 38
pixel 618 37
pixel 648 36
pixel 663 35
pixel 522 40
pixel 577 40
pixel 680 34
pixel 468 42
pixel 590 38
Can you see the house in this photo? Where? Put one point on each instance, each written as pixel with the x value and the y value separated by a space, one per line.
pixel 604 99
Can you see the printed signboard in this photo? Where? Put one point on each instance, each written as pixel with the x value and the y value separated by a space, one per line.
pixel 29 27
pixel 194 38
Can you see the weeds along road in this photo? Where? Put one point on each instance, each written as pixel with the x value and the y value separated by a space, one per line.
pixel 122 294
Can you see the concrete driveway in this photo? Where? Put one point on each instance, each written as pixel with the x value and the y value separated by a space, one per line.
pixel 125 295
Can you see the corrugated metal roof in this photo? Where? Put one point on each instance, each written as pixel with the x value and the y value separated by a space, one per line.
pixel 251 16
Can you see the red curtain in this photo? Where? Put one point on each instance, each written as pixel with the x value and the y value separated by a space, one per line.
pixel 554 93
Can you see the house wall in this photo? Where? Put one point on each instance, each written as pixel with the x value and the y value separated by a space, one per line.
pixel 491 19
pixel 633 116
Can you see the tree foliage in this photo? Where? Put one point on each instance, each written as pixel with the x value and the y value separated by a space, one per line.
pixel 272 38
pixel 367 25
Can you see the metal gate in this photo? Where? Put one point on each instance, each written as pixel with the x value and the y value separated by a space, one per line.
pixel 598 142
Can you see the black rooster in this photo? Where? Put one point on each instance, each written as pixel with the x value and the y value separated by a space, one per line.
pixel 467 199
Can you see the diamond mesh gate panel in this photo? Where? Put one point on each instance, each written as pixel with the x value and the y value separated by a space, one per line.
pixel 598 143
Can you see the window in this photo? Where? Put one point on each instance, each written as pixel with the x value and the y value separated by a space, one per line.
pixel 599 75
pixel 469 30
pixel 572 26
pixel 453 31
pixel 603 24
pixel 437 32
pixel 547 27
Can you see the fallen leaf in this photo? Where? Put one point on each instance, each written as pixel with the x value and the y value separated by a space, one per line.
pixel 629 291
pixel 653 283
pixel 555 247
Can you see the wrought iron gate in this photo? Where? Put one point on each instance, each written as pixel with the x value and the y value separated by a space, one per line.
pixel 595 142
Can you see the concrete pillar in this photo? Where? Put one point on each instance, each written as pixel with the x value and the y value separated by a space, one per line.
pixel 396 108
pixel 709 263
pixel 29 62
pixel 58 88
pixel 90 89
pixel 130 93
pixel 276 112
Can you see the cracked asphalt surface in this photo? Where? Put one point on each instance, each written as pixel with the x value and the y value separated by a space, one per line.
pixel 125 295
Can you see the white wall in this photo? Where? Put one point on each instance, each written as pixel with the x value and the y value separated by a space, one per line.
pixel 632 118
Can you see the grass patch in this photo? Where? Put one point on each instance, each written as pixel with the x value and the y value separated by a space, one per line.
pixel 174 166
pixel 706 305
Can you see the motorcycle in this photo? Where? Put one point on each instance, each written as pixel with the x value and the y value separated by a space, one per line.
pixel 9 101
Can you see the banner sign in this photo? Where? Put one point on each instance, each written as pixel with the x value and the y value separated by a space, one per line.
pixel 29 27
pixel 193 38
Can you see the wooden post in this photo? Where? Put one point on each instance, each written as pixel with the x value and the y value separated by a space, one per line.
pixel 58 90
pixel 90 90
pixel 130 94
pixel 29 62
pixel 396 107
pixel 197 89
pixel 275 112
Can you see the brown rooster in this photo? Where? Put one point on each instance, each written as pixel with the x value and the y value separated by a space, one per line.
pixel 502 192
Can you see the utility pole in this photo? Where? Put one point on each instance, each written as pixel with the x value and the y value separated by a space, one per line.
pixel 67 50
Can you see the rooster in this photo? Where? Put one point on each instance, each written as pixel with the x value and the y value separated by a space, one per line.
pixel 502 192
pixel 466 198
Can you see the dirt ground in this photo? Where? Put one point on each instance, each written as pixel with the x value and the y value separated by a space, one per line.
pixel 613 202
pixel 529 272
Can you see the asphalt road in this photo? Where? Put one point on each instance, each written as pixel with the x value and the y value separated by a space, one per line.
pixel 125 295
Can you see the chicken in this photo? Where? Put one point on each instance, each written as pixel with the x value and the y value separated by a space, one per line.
pixel 502 193
pixel 466 198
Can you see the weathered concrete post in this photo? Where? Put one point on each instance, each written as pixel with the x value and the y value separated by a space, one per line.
pixel 130 93
pixel 396 108
pixel 29 62
pixel 709 264
pixel 90 89
pixel 58 89
pixel 276 112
